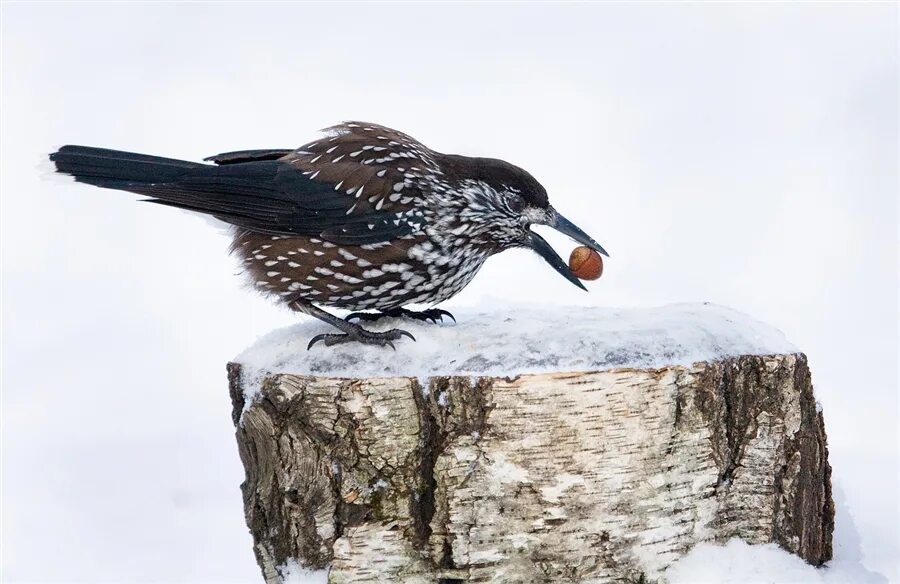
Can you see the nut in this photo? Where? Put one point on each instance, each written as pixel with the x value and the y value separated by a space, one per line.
pixel 585 263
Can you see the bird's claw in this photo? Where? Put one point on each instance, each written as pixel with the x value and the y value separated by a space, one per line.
pixel 433 315
pixel 438 314
pixel 380 339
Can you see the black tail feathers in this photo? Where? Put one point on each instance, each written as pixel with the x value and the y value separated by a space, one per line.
pixel 248 194
pixel 115 169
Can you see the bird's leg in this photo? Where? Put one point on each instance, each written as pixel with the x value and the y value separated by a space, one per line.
pixel 430 314
pixel 352 333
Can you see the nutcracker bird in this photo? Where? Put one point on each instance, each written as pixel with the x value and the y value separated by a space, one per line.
pixel 364 219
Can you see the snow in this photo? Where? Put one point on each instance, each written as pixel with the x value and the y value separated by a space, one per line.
pixel 292 572
pixel 738 562
pixel 510 340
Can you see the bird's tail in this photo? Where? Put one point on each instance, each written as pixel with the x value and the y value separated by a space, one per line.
pixel 245 194
pixel 114 169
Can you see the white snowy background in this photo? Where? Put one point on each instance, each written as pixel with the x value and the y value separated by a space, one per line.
pixel 743 154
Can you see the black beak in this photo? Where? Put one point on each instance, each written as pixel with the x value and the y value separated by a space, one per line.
pixel 566 227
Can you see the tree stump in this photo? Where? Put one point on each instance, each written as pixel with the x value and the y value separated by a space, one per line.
pixel 604 474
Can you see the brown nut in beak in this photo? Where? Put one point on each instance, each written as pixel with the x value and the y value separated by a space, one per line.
pixel 586 263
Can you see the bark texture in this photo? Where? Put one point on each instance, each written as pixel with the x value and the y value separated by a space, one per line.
pixel 566 477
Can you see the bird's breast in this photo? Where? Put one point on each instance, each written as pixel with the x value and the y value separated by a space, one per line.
pixel 385 275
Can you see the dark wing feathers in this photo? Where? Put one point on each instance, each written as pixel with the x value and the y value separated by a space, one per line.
pixel 239 156
pixel 248 189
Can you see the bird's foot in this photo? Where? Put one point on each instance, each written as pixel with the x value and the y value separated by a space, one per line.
pixel 433 315
pixel 361 335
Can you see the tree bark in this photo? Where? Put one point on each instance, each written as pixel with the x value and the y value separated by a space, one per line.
pixel 605 476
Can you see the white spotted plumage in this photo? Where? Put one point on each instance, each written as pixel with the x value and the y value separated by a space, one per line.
pixel 451 224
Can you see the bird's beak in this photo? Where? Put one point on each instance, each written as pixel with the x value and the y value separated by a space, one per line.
pixel 566 227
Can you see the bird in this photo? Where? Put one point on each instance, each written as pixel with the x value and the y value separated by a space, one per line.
pixel 364 218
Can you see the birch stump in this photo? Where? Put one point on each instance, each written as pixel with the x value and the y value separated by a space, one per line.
pixel 542 458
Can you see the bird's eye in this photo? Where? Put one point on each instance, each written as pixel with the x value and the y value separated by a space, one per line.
pixel 516 204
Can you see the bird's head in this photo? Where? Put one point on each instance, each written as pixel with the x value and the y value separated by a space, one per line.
pixel 501 202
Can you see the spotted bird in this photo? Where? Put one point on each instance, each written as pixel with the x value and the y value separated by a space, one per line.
pixel 364 219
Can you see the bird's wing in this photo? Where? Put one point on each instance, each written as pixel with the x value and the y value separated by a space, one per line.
pixel 375 171
pixel 357 185
pixel 248 156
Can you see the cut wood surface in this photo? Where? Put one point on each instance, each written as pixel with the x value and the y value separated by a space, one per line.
pixel 584 476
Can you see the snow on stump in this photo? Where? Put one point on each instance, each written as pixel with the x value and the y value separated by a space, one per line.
pixel 563 445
